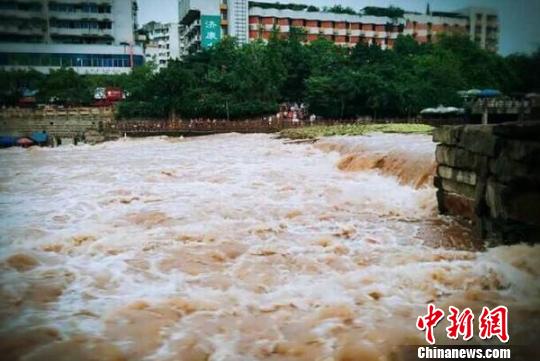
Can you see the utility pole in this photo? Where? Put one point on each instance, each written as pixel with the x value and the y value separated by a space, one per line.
pixel 485 111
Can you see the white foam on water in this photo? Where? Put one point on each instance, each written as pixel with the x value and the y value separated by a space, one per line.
pixel 234 247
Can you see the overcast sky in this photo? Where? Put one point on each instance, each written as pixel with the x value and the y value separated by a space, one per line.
pixel 520 19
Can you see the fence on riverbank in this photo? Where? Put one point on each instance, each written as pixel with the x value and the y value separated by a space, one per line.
pixel 207 126
pixel 97 124
pixel 258 125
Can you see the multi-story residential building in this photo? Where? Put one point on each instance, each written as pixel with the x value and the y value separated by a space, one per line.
pixel 343 29
pixel 425 28
pixel 95 36
pixel 163 43
pixel 205 22
pixel 483 27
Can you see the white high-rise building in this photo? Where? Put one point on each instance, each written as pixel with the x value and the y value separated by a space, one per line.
pixel 163 43
pixel 95 36
pixel 483 27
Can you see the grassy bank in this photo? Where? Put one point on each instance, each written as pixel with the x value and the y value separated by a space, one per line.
pixel 318 131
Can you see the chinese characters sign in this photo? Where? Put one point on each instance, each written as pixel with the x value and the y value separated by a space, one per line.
pixel 210 30
pixel 490 323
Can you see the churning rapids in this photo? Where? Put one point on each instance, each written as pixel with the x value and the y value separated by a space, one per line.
pixel 238 247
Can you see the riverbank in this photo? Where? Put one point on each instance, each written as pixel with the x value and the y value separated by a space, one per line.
pixel 317 131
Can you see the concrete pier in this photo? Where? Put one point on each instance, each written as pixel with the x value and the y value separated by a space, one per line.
pixel 490 175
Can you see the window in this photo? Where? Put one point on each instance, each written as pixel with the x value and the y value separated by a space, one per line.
pixel 29 7
pixel 85 8
pixel 70 60
pixel 105 25
pixel 10 5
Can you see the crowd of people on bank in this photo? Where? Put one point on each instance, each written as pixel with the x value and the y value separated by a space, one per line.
pixel 292 113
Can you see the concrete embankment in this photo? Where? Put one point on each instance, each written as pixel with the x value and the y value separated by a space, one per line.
pixel 70 125
pixel 490 174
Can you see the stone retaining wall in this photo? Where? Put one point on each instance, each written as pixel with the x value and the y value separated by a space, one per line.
pixel 92 125
pixel 490 175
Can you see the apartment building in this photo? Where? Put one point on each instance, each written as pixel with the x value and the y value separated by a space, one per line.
pixel 163 43
pixel 424 28
pixel 95 37
pixel 348 30
pixel 483 27
pixel 206 22
pixel 344 29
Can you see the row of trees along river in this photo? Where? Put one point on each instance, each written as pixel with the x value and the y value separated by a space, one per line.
pixel 232 81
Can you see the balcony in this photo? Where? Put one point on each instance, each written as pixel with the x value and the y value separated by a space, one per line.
pixel 21 14
pixel 284 28
pixel 191 30
pixel 80 32
pixel 369 33
pixel 16 29
pixel 193 40
pixel 79 2
pixel 327 31
pixel 79 15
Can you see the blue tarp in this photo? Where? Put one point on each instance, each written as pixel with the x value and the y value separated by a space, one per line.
pixel 39 137
pixel 7 141
pixel 489 93
pixel 484 93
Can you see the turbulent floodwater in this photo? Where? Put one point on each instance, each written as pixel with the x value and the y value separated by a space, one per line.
pixel 238 247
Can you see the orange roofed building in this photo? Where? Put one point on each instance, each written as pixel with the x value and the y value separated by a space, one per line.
pixel 250 21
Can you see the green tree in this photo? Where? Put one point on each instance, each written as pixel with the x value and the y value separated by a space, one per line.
pixel 14 83
pixel 67 87
pixel 232 81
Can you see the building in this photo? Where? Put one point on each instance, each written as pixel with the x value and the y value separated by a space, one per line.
pixel 348 30
pixel 483 26
pixel 94 37
pixel 163 43
pixel 424 28
pixel 344 29
pixel 205 22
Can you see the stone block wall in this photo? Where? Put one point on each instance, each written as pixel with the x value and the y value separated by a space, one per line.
pixel 490 175
pixel 92 125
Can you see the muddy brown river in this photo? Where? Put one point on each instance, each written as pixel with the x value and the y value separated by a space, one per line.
pixel 239 247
